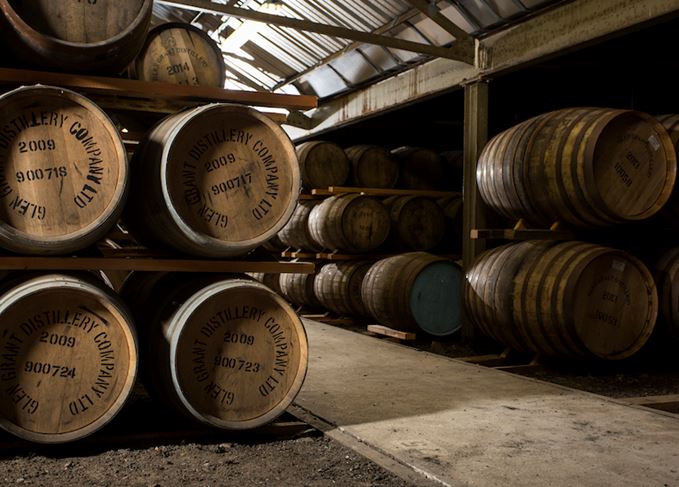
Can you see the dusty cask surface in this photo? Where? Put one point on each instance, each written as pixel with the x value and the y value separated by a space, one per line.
pixel 180 54
pixel 351 222
pixel 295 233
pixel 585 166
pixel 338 287
pixel 227 352
pixel 68 358
pixel 419 168
pixel 372 167
pixel 417 223
pixel 63 171
pixel 299 289
pixel 667 281
pixel 215 181
pixel 92 35
pixel 322 164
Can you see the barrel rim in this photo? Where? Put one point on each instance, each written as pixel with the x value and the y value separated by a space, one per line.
pixel 117 307
pixel 178 322
pixel 101 225
pixel 216 246
pixel 16 20
pixel 150 37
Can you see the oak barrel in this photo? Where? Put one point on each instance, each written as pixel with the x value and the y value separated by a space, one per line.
pixel 350 222
pixel 299 289
pixel 372 166
pixel 667 281
pixel 415 290
pixel 180 54
pixel 295 233
pixel 417 223
pixel 63 171
pixel 322 164
pixel 68 357
pixel 585 166
pixel 452 207
pixel 419 168
pixel 82 36
pixel 222 350
pixel 338 287
pixel 571 299
pixel 213 181
pixel 274 244
pixel 269 279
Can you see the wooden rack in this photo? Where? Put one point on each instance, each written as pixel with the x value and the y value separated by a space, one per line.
pixel 336 190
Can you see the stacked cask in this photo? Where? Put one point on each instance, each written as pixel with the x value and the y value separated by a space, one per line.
pixel 589 168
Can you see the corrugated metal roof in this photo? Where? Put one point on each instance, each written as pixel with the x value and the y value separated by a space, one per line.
pixel 274 58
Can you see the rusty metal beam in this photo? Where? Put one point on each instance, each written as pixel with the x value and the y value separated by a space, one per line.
pixel 459 51
pixel 432 11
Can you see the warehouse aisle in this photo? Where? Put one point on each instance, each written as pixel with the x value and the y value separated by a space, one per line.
pixel 462 424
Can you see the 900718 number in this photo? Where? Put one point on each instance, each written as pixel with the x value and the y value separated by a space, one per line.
pixel 41 174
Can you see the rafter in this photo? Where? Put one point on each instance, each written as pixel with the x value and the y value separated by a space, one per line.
pixel 459 51
pixel 432 11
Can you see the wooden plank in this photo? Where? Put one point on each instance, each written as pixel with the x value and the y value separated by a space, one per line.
pixel 646 400
pixel 297 254
pixel 390 332
pixel 458 51
pixel 520 234
pixel 335 190
pixel 127 88
pixel 151 265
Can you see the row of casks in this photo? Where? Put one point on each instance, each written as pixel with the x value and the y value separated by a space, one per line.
pixel 108 37
pixel 411 291
pixel 572 300
pixel 355 223
pixel 224 351
pixel 324 164
pixel 215 181
pixel 587 167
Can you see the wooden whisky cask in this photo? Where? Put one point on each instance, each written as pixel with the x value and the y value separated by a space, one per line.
pixel 417 223
pixel 667 281
pixel 415 290
pixel 322 164
pixel 83 36
pixel 222 350
pixel 338 287
pixel 453 214
pixel 274 244
pixel 69 357
pixel 419 168
pixel 299 289
pixel 63 171
pixel 214 181
pixel 489 288
pixel 372 167
pixel 585 166
pixel 350 222
pixel 571 299
pixel 270 280
pixel 295 234
pixel 180 54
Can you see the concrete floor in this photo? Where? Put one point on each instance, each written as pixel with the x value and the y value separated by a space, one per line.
pixel 460 424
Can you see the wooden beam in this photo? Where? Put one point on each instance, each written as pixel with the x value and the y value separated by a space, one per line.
pixel 151 265
pixel 458 52
pixel 128 88
pixel 432 11
pixel 474 210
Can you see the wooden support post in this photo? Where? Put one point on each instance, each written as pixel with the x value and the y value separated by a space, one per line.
pixel 474 210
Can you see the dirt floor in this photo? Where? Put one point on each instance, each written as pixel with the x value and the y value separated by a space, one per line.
pixel 138 447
